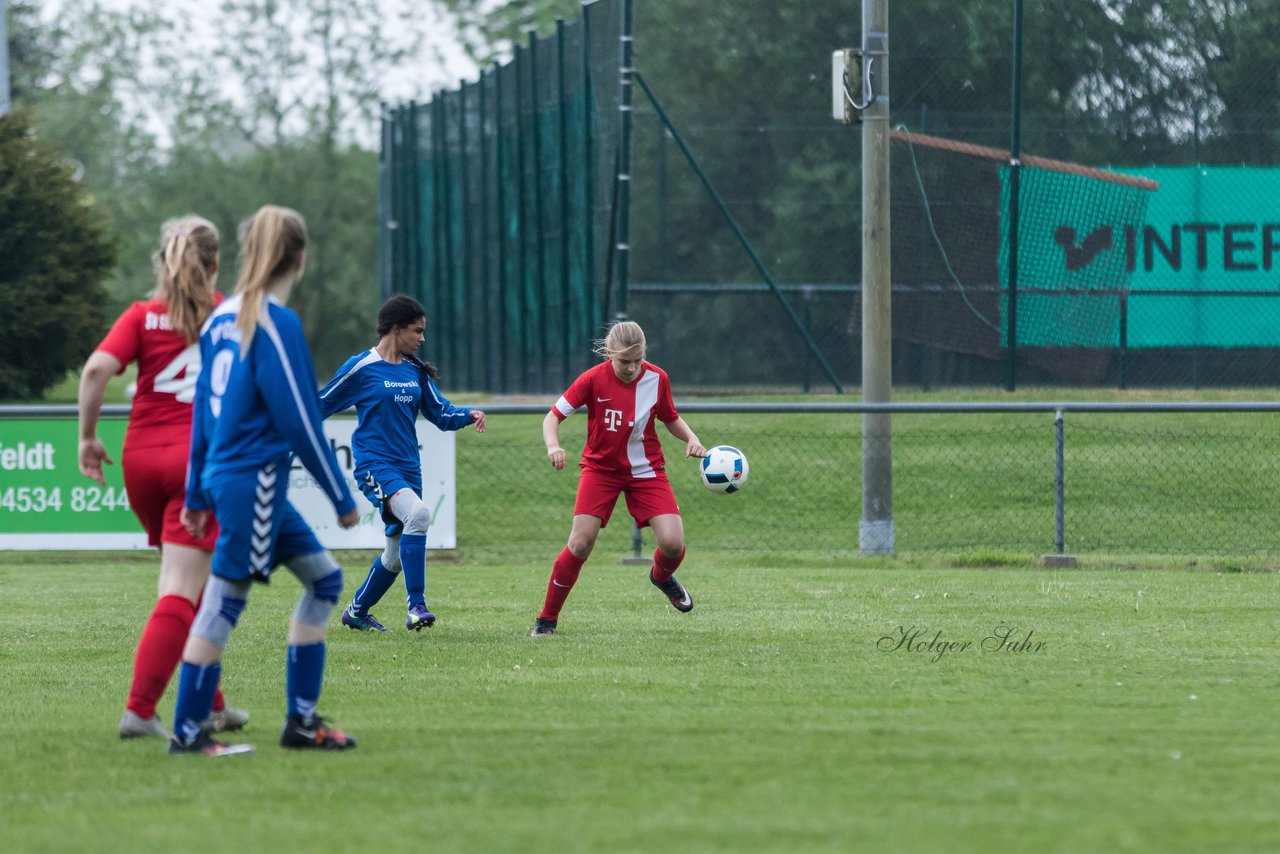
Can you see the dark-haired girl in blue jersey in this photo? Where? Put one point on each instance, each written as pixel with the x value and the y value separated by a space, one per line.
pixel 389 386
pixel 255 407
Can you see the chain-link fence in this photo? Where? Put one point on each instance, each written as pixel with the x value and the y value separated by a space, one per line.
pixel 971 482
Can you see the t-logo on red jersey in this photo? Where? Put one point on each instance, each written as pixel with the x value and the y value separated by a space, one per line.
pixel 622 436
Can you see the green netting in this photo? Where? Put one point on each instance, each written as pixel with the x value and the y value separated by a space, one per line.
pixel 1072 270
pixel 499 201
pixel 950 222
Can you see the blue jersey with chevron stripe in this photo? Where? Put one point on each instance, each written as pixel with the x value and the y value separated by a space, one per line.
pixel 387 398
pixel 252 411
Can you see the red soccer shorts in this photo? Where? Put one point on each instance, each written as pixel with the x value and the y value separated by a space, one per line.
pixel 155 479
pixel 646 496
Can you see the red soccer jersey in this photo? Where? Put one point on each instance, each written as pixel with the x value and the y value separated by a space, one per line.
pixel 167 371
pixel 621 434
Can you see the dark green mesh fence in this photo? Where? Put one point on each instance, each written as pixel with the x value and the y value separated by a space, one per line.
pixel 500 197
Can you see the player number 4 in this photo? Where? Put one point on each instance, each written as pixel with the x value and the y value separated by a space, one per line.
pixel 179 376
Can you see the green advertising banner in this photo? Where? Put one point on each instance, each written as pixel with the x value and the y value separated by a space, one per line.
pixel 45 501
pixel 1195 260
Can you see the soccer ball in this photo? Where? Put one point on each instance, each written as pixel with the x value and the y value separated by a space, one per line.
pixel 724 469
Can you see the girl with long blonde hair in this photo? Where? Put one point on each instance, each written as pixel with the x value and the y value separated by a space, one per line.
pixel 257 407
pixel 159 334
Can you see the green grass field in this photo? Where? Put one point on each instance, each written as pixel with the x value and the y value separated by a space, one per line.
pixel 783 714
pixel 773 717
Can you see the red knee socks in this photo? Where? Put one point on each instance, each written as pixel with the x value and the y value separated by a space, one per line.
pixel 564 573
pixel 664 567
pixel 159 651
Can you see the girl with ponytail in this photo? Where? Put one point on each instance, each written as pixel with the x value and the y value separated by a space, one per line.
pixel 159 334
pixel 388 386
pixel 256 408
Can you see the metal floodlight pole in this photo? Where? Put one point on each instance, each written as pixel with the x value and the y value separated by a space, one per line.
pixel 875 529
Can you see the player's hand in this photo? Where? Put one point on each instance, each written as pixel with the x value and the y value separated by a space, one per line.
pixel 478 417
pixel 92 456
pixel 194 521
pixel 695 449
pixel 349 519
pixel 557 456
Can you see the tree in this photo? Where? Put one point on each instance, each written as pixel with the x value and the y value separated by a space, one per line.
pixel 282 107
pixel 55 251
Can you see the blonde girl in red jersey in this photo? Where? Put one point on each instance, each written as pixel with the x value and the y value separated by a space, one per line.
pixel 623 397
pixel 160 335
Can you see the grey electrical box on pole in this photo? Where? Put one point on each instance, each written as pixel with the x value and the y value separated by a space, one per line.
pixel 875 528
pixel 846 85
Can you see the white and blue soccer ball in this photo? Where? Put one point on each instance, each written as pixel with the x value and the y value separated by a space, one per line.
pixel 724 469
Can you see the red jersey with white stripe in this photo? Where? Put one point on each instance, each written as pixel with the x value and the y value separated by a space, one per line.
pixel 167 371
pixel 622 436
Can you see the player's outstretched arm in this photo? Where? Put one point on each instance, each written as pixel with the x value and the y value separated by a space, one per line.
pixel 437 409
pixel 683 432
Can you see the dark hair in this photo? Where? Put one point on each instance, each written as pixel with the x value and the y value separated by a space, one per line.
pixel 399 311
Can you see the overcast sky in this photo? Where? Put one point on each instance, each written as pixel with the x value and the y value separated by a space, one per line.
pixel 439 67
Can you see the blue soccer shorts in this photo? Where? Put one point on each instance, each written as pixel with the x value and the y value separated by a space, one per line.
pixel 258 527
pixel 379 483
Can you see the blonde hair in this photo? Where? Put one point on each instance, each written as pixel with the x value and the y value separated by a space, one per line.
pixel 271 242
pixel 186 269
pixel 622 336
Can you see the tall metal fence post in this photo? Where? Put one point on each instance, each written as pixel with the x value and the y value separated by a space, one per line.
pixel 487 181
pixel 626 71
pixel 566 323
pixel 385 218
pixel 501 155
pixel 467 263
pixel 592 314
pixel 524 299
pixel 542 287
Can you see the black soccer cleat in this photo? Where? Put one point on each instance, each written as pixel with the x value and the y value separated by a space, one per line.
pixel 204 745
pixel 675 592
pixel 314 732
pixel 543 626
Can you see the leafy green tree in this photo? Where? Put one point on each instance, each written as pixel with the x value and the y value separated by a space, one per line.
pixel 55 250
pixel 282 106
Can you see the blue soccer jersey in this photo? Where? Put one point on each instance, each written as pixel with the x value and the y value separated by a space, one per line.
pixel 203 418
pixel 387 398
pixel 255 411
